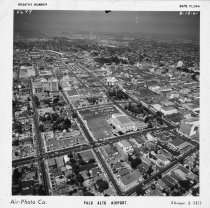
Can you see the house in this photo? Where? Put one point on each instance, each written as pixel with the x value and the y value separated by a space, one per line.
pixel 161 158
pixel 160 184
pixel 87 155
pixel 95 171
pixel 60 162
pixel 125 146
pixel 51 162
pixel 181 174
pixel 150 137
pixel 155 192
pixel 66 158
pixel 168 181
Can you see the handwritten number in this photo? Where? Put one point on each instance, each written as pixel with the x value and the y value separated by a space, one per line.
pixel 24 11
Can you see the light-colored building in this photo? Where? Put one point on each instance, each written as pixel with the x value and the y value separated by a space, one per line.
pixel 111 81
pixel 150 137
pixel 122 123
pixel 27 71
pixel 53 84
pixel 189 127
pixel 180 64
pixel 168 110
pixel 127 147
pixel 50 84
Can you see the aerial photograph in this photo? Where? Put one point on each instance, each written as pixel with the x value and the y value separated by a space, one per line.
pixel 105 103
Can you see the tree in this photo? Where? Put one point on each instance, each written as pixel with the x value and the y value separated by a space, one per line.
pixel 135 162
pixel 70 155
pixel 150 170
pixel 182 190
pixel 92 160
pixel 153 186
pixel 82 162
pixel 41 191
pixel 42 118
pixel 56 100
pixel 102 185
pixel 193 76
pixel 79 178
pixel 185 184
pixel 147 119
pixel 54 117
pixel 129 106
pixel 89 194
pixel 120 132
pixel 15 143
pixel 158 114
pixel 176 186
pixel 79 156
pixel 74 115
pixel 71 181
pixel 41 128
pixel 172 188
pixel 36 101
pixel 73 161
pixel 16 175
pixel 150 124
pixel 164 191
pixel 140 192
pixel 195 191
pixel 145 177
pixel 129 158
pixel 159 120
pixel 17 126
pixel 67 123
pixel 176 193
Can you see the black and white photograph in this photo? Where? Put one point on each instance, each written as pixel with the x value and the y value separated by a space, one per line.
pixel 105 103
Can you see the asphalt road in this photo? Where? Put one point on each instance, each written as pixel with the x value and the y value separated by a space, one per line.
pixel 86 132
pixel 119 192
pixel 93 144
pixel 23 161
pixel 40 147
pixel 132 191
pixel 170 126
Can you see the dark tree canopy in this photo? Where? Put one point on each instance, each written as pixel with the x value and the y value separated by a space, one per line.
pixel 102 185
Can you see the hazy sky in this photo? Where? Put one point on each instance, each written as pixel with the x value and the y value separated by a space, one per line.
pixel 151 23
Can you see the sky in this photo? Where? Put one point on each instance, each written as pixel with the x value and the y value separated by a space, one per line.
pixel 138 22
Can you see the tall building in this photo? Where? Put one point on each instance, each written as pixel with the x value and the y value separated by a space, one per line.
pixel 180 64
pixel 53 84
